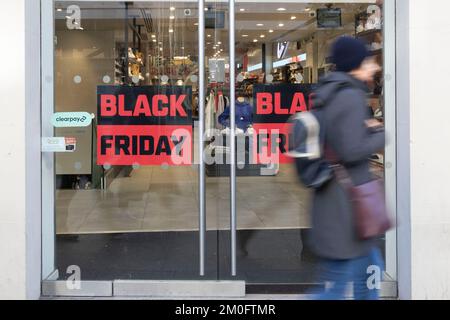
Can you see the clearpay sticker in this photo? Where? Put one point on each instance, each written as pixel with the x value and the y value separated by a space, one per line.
pixel 59 144
pixel 71 119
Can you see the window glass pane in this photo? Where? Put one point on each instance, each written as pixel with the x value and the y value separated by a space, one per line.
pixel 126 202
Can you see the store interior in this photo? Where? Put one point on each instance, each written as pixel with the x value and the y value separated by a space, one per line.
pixel 156 43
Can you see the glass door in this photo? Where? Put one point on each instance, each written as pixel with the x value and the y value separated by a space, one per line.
pixel 282 51
pixel 124 99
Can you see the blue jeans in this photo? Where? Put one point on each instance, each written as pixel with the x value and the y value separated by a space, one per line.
pixel 365 273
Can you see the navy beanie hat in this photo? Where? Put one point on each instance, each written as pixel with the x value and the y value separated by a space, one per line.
pixel 348 53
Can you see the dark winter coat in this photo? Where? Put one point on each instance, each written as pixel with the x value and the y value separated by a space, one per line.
pixel 333 232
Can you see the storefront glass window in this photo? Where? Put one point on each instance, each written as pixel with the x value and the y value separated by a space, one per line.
pixel 126 134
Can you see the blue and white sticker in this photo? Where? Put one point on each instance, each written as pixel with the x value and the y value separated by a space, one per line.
pixel 71 119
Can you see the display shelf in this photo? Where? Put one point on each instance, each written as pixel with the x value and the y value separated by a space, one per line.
pixel 367 33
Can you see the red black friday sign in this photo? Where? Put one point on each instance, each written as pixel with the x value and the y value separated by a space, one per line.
pixel 145 125
pixel 273 105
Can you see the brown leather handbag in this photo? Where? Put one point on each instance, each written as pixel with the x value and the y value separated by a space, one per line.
pixel 368 203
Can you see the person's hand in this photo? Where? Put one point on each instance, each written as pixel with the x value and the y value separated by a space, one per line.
pixel 373 124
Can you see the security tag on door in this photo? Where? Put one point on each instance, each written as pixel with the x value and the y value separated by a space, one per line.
pixel 59 144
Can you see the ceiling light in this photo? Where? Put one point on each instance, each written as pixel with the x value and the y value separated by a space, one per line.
pixel 209 36
pixel 153 36
pixel 206 9
pixel 196 24
pixel 281 9
pixel 281 24
pixel 245 35
pixel 170 30
pixel 172 17
pixel 241 9
pixel 154 40
pixel 160 49
pixel 259 24
pixel 262 36
pixel 182 48
pixel 308 9
pixel 172 8
pixel 293 17
pixel 255 40
pixel 270 30
pixel 214 47
pixel 219 42
pixel 59 9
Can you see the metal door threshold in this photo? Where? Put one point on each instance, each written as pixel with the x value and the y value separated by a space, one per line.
pixel 160 289
pixel 144 288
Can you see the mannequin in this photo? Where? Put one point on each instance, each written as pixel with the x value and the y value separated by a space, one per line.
pixel 244 114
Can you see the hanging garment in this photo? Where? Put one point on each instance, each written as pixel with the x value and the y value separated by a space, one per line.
pixel 244 115
pixel 227 101
pixel 210 115
pixel 219 110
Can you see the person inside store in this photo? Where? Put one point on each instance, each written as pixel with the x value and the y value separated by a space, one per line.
pixel 351 137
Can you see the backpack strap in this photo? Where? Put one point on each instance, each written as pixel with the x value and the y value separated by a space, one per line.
pixel 326 153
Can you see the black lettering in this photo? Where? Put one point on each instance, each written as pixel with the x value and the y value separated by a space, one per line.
pixel 119 145
pixel 178 144
pixel 105 143
pixel 163 146
pixel 146 145
pixel 134 145
pixel 283 142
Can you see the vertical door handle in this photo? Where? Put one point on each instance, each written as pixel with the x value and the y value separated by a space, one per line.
pixel 201 129
pixel 233 138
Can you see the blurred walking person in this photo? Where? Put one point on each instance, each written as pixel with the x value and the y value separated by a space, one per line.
pixel 351 137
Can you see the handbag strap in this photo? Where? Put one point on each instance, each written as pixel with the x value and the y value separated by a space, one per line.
pixel 340 172
pixel 342 176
